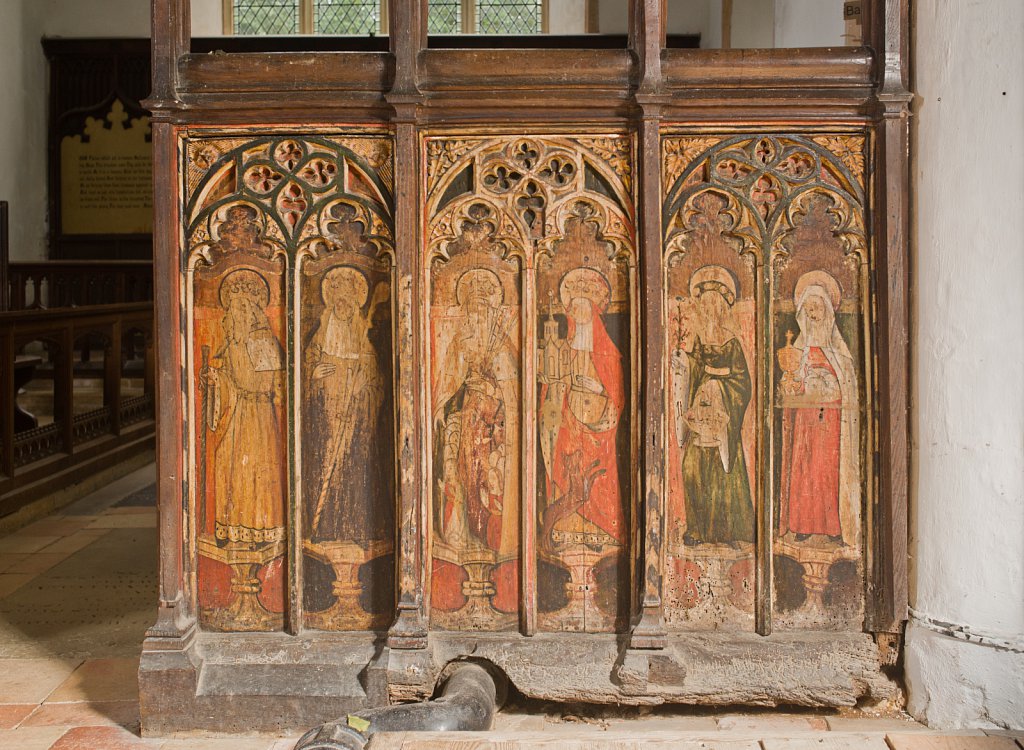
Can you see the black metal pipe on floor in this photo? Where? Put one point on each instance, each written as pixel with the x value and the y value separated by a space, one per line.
pixel 469 699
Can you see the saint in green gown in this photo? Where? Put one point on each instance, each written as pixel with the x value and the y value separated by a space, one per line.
pixel 718 507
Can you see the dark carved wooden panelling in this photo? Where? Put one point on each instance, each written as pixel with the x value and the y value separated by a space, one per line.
pixel 86 78
pixel 290 260
pixel 531 318
pixel 766 270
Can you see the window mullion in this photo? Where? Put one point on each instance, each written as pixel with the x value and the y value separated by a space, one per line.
pixel 306 25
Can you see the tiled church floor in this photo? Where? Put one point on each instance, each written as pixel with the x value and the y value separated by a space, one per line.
pixel 77 592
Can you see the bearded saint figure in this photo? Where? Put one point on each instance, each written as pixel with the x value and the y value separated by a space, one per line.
pixel 242 393
pixel 821 458
pixel 347 390
pixel 476 419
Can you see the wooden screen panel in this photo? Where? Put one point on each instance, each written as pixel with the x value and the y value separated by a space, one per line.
pixel 239 362
pixel 711 283
pixel 317 448
pixel 542 228
pixel 820 462
pixel 476 407
pixel 756 227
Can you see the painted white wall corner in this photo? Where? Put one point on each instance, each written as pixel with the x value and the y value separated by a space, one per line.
pixel 965 642
pixel 957 684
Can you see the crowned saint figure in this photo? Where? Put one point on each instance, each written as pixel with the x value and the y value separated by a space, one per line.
pixel 583 476
pixel 718 502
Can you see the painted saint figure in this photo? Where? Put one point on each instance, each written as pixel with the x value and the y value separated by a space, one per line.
pixel 476 418
pixel 715 480
pixel 242 393
pixel 581 407
pixel 819 393
pixel 348 388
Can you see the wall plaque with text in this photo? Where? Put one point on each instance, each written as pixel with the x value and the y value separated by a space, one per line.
pixel 106 176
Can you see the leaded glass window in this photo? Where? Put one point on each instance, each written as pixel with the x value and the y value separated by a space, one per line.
pixel 509 16
pixel 444 17
pixel 346 16
pixel 265 17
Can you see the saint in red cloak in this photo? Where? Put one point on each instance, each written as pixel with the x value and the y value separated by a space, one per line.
pixel 584 475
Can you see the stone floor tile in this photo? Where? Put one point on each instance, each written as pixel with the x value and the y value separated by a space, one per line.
pixel 771 723
pixel 22 542
pixel 77 541
pixel 220 743
pixel 30 738
pixel 8 559
pixel 851 724
pixel 12 714
pixel 826 742
pixel 287 743
pixel 85 714
pixel 56 526
pixel 11 582
pixel 557 738
pixel 1017 734
pixel 115 679
pixel 125 521
pixel 103 738
pixel 38 562
pixel 32 680
pixel 703 725
pixel 918 741
pixel 519 723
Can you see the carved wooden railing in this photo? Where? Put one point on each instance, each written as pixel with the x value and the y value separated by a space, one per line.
pixel 77 283
pixel 40 344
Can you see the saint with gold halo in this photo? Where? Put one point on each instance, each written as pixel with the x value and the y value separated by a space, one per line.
pixel 718 503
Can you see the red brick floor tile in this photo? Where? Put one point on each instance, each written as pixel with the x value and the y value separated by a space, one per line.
pixel 12 714
pixel 85 714
pixel 104 738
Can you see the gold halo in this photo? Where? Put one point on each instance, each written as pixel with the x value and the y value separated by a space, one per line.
pixel 363 288
pixel 247 278
pixel 475 276
pixel 585 283
pixel 714 277
pixel 818 278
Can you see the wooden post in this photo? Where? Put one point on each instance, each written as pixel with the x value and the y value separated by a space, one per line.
pixel 171 27
pixel 112 377
pixel 5 257
pixel 726 24
pixel 408 37
pixel 889 588
pixel 64 387
pixel 7 396
pixel 648 35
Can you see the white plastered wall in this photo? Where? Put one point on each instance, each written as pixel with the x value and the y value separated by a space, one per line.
pixel 965 641
pixel 23 128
